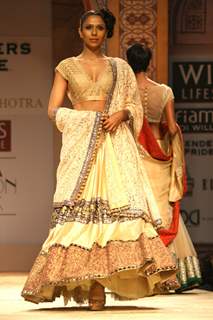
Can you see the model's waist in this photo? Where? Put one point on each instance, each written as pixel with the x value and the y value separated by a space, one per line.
pixel 90 105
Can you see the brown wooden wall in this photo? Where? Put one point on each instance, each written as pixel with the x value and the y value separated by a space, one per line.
pixel 144 21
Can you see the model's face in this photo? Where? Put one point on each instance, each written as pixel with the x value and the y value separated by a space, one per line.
pixel 93 32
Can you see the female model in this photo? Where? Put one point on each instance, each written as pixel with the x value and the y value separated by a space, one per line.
pixel 164 161
pixel 104 213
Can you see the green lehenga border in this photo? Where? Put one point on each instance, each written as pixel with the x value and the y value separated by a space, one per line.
pixel 189 275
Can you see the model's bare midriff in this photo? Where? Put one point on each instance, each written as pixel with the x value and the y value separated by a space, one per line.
pixel 91 105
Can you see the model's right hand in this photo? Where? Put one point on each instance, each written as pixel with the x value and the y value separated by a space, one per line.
pixel 111 123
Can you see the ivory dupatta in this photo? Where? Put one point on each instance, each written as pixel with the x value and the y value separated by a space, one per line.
pixel 82 134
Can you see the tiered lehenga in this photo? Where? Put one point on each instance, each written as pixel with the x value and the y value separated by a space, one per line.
pixel 105 214
pixel 164 162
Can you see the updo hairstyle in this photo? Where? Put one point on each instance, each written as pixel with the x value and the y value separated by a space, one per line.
pixel 105 14
pixel 138 56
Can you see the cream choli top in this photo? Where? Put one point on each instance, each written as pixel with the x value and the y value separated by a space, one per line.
pixel 80 85
pixel 154 99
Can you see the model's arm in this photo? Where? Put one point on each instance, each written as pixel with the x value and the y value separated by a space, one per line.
pixel 170 117
pixel 57 95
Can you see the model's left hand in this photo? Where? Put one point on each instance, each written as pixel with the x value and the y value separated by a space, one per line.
pixel 111 123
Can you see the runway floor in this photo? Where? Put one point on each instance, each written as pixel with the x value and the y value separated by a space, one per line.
pixel 193 305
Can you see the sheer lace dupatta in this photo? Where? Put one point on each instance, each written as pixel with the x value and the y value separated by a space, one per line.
pixel 86 132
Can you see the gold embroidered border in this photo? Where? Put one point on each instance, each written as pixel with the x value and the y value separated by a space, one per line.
pixel 95 211
pixel 114 76
pixel 91 153
pixel 62 265
pixel 189 272
pixel 169 285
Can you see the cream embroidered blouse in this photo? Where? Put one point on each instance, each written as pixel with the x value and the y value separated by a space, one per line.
pixel 80 86
pixel 154 99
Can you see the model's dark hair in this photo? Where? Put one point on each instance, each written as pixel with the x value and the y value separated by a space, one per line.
pixel 138 56
pixel 105 14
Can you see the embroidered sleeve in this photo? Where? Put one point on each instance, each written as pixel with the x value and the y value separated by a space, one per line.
pixel 62 69
pixel 169 95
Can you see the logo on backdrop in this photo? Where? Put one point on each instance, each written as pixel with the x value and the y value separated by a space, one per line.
pixel 207 184
pixel 5 135
pixel 199 147
pixel 26 103
pixel 12 48
pixel 192 81
pixel 195 120
pixel 191 218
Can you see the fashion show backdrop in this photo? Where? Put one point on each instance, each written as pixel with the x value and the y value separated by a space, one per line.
pixel 191 75
pixel 26 140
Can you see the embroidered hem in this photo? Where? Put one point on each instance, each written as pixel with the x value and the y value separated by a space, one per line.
pixel 74 266
pixel 189 274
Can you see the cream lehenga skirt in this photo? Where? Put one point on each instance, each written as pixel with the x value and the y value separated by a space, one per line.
pixel 106 234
